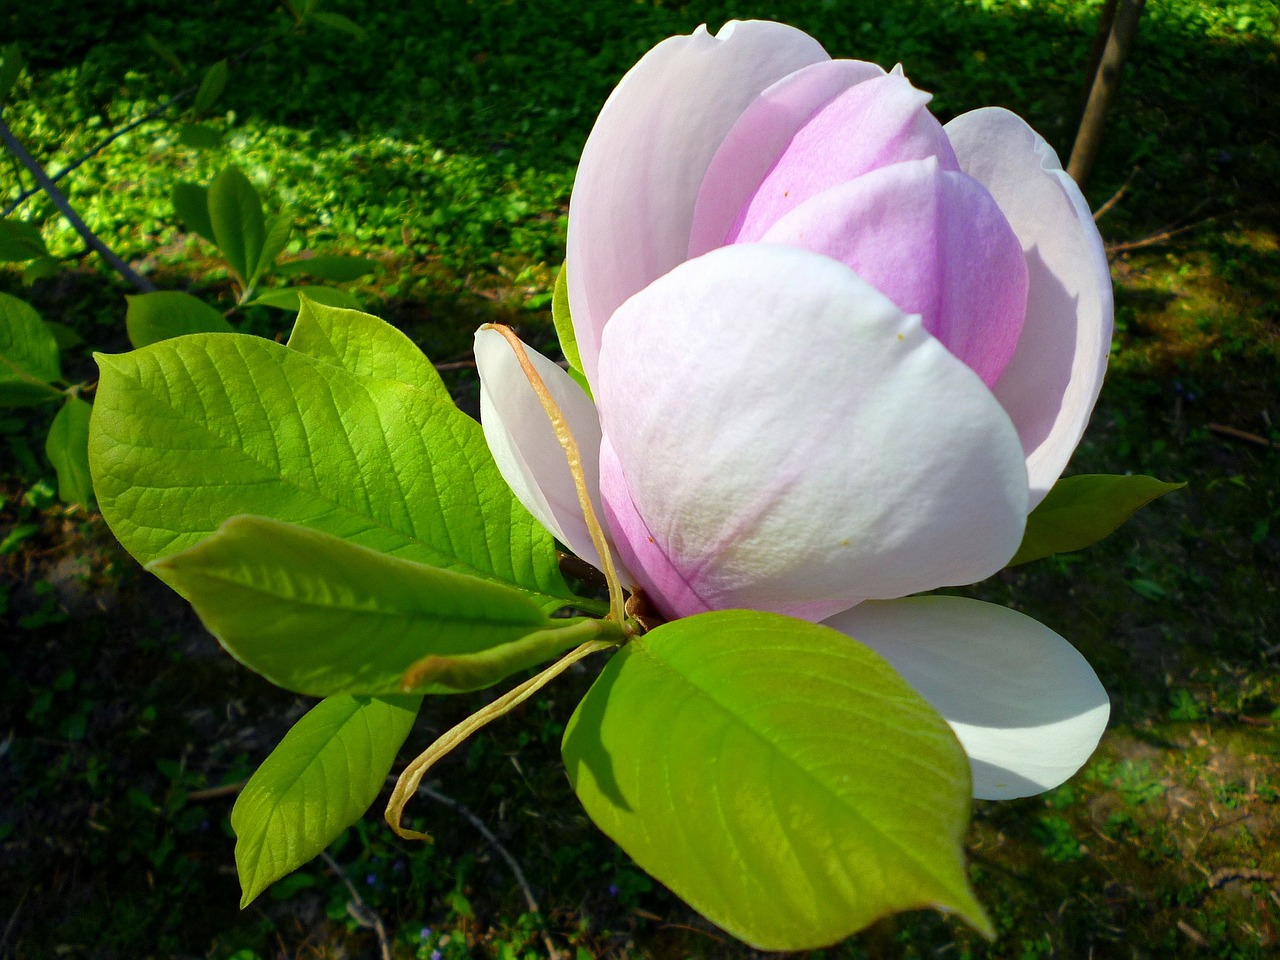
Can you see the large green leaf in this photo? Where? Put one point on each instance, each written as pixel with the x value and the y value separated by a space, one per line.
pixel 318 781
pixel 190 432
pixel 778 776
pixel 564 328
pixel 239 228
pixel 364 345
pixel 1080 511
pixel 320 616
pixel 152 317
pixel 67 447
pixel 29 359
pixel 191 204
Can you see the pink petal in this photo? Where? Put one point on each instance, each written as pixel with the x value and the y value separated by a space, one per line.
pixel 524 444
pixel 757 140
pixel 1051 384
pixel 876 123
pixel 648 153
pixel 1025 705
pixel 779 436
pixel 932 241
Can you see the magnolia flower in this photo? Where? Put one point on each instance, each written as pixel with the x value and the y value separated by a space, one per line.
pixel 838 352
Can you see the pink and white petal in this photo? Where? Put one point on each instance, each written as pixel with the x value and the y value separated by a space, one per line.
pixel 935 243
pixel 524 444
pixel 787 439
pixel 882 121
pixel 648 153
pixel 1026 706
pixel 758 138
pixel 1051 384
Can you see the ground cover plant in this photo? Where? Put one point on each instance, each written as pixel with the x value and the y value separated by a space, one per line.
pixel 126 730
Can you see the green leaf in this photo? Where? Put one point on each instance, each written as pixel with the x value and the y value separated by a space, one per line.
pixel 20 241
pixel 286 298
pixel 190 432
pixel 29 360
pixel 239 229
pixel 1080 511
pixel 191 204
pixel 67 447
pixel 364 345
pixel 166 54
pixel 337 21
pixel 211 87
pixel 334 269
pixel 199 136
pixel 11 64
pixel 63 335
pixel 152 317
pixel 564 329
pixel 319 780
pixel 278 231
pixel 778 776
pixel 41 268
pixel 318 615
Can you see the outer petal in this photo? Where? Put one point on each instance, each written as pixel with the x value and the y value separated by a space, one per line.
pixel 935 243
pixel 758 138
pixel 640 171
pixel 1027 708
pixel 1052 382
pixel 786 439
pixel 524 445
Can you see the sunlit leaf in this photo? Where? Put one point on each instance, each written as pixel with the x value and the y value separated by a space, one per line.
pixel 318 615
pixel 278 230
pixel 779 777
pixel 364 345
pixel 192 431
pixel 564 329
pixel 1079 511
pixel 318 781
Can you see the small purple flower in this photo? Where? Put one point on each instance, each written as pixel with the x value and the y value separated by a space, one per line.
pixel 613 889
pixel 424 933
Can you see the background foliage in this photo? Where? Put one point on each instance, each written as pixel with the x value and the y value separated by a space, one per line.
pixel 442 145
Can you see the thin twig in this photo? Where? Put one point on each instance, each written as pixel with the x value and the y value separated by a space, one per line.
pixel 64 206
pixel 502 852
pixel 1237 434
pixel 213 793
pixel 365 916
pixel 1115 197
pixel 13 920
pixel 457 365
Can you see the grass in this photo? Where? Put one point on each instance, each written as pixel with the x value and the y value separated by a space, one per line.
pixel 446 150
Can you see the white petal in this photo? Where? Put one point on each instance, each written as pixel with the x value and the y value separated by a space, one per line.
pixel 759 137
pixel 638 179
pixel 1052 382
pixel 786 439
pixel 524 444
pixel 1025 705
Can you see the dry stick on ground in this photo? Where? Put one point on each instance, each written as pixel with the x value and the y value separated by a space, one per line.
pixel 64 207
pixel 363 914
pixel 1237 434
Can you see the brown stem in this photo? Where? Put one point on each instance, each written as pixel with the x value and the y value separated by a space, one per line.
pixel 1106 81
